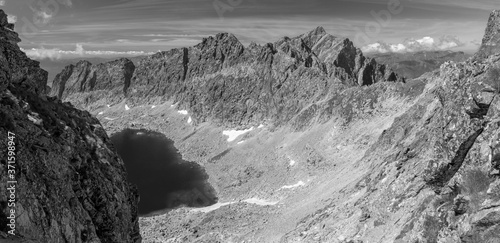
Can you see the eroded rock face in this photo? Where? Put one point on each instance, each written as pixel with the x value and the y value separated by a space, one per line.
pixel 491 37
pixel 83 84
pixel 71 185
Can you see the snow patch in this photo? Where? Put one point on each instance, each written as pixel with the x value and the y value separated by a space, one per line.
pixel 154 106
pixel 233 134
pixel 35 119
pixel 240 142
pixel 190 120
pixel 260 202
pixel 108 106
pixel 299 184
pixel 218 205
pixel 110 119
pixel 100 113
pixel 212 207
pixel 261 126
pixel 139 133
pixel 126 107
pixel 183 112
pixel 292 162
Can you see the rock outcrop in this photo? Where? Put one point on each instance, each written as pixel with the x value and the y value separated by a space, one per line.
pixel 491 37
pixel 278 79
pixel 83 84
pixel 70 184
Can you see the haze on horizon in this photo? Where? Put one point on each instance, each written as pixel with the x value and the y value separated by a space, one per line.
pixel 83 28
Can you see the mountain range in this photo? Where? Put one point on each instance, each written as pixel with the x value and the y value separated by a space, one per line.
pixel 304 140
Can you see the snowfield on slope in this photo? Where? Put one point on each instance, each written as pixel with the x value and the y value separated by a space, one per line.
pixel 233 134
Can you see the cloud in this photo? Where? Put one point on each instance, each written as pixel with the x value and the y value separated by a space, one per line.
pixel 68 3
pixel 11 19
pixel 413 45
pixel 56 53
pixel 2 2
pixel 42 53
pixel 42 17
pixel 173 35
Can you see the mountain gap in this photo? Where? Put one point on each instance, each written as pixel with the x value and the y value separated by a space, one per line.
pixel 165 181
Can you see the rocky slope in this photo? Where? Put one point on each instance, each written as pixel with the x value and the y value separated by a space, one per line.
pixel 491 38
pixel 279 79
pixel 71 186
pixel 413 65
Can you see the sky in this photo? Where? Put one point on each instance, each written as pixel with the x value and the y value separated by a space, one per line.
pixel 66 28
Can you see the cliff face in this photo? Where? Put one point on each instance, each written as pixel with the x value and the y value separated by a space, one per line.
pixel 83 84
pixel 222 81
pixel 71 186
pixel 491 37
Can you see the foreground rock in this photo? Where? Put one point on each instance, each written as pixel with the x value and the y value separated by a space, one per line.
pixel 71 186
pixel 222 81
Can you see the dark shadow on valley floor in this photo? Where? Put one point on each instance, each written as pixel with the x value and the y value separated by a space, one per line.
pixel 164 180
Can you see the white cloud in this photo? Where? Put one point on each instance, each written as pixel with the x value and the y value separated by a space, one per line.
pixel 174 35
pixel 79 49
pixel 413 45
pixel 56 53
pixel 11 19
pixel 42 53
pixel 2 2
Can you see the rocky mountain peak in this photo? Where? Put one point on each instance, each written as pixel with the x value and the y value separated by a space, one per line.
pixel 318 31
pixel 491 40
pixel 7 30
pixel 220 39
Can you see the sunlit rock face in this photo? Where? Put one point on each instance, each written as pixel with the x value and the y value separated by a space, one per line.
pixel 71 186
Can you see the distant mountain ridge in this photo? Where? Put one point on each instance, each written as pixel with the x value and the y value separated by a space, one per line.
pixel 414 64
pixel 279 79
